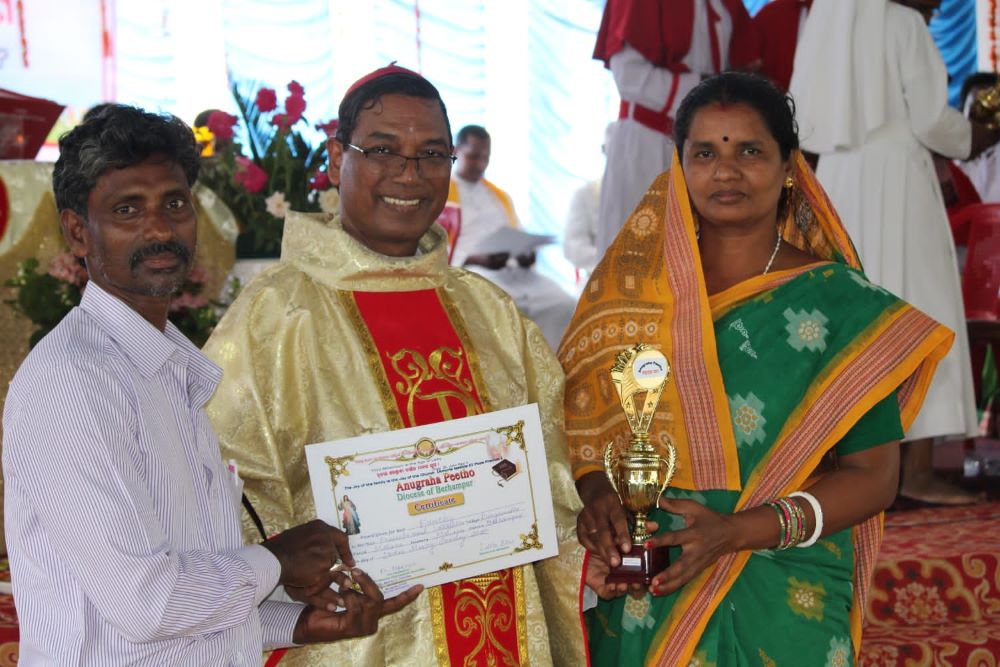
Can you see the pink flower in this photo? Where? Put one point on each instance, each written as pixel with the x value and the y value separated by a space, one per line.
pixel 329 127
pixel 65 267
pixel 296 89
pixel 321 181
pixel 221 124
pixel 249 175
pixel 187 300
pixel 267 100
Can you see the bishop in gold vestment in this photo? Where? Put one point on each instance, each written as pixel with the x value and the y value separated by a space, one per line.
pixel 337 341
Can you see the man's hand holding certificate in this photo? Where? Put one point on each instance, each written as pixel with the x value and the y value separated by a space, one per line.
pixel 442 502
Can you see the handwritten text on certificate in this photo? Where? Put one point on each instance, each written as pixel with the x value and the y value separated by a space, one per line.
pixel 442 502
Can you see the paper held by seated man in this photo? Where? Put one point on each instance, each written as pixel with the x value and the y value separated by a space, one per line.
pixel 512 240
pixel 441 502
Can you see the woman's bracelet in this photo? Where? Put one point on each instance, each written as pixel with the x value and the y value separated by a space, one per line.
pixel 783 524
pixel 817 513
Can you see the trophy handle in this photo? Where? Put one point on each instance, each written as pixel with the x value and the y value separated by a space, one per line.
pixel 611 465
pixel 670 463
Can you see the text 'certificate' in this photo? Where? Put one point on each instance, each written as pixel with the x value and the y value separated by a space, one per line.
pixel 442 502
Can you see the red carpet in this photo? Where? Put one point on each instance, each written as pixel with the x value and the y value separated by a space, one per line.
pixel 8 632
pixel 936 594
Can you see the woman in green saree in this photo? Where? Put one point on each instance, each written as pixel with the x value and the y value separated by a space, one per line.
pixel 793 379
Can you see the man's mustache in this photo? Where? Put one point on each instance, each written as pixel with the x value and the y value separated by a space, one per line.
pixel 158 249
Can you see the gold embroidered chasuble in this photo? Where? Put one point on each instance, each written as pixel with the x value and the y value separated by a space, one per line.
pixel 301 366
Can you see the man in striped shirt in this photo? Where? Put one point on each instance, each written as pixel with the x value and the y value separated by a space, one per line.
pixel 122 521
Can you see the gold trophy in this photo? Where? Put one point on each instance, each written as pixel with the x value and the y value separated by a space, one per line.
pixel 639 474
pixel 986 107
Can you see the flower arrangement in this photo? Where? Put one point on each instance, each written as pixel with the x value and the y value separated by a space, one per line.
pixel 45 298
pixel 276 170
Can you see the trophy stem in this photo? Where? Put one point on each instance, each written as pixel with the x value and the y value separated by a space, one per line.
pixel 640 534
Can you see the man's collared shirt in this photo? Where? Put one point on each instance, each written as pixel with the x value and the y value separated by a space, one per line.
pixel 122 522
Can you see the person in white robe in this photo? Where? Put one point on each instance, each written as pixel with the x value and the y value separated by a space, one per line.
pixel 485 208
pixel 871 94
pixel 657 53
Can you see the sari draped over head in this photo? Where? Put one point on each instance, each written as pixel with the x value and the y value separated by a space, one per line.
pixel 767 378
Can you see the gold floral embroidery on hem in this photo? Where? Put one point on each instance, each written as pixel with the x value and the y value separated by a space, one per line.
pixel 495 609
pixel 436 599
pixel 521 604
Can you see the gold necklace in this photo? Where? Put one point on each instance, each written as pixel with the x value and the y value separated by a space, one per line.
pixel 773 255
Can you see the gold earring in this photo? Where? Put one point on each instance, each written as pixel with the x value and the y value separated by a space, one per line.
pixel 789 182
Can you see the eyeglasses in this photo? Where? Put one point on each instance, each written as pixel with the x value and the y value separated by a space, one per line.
pixel 393 164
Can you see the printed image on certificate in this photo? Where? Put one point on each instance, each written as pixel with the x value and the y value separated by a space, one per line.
pixel 441 502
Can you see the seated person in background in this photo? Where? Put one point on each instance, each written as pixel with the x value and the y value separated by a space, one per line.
pixel 485 208
pixel 122 522
pixel 984 170
pixel 580 242
pixel 793 379
pixel 321 347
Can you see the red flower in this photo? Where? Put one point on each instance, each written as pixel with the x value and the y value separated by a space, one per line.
pixel 267 100
pixel 249 175
pixel 294 106
pixel 221 124
pixel 321 181
pixel 296 89
pixel 281 121
pixel 329 127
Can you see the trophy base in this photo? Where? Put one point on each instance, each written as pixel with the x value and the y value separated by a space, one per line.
pixel 639 566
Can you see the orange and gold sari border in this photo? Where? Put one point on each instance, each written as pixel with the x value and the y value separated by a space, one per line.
pixel 727 300
pixel 867 539
pixel 913 392
pixel 698 388
pixel 571 339
pixel 436 599
pixel 826 215
pixel 462 331
pixel 373 358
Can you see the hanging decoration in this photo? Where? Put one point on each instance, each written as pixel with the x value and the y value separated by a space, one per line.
pixel 420 51
pixel 22 33
pixel 109 87
pixel 993 35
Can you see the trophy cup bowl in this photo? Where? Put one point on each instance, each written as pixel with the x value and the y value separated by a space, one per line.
pixel 639 474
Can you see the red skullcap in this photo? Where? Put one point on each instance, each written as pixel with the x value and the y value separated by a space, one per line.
pixel 391 68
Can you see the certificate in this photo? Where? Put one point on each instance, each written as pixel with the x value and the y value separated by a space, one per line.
pixel 442 502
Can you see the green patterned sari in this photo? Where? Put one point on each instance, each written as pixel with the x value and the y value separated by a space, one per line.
pixel 787 607
pixel 772 381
